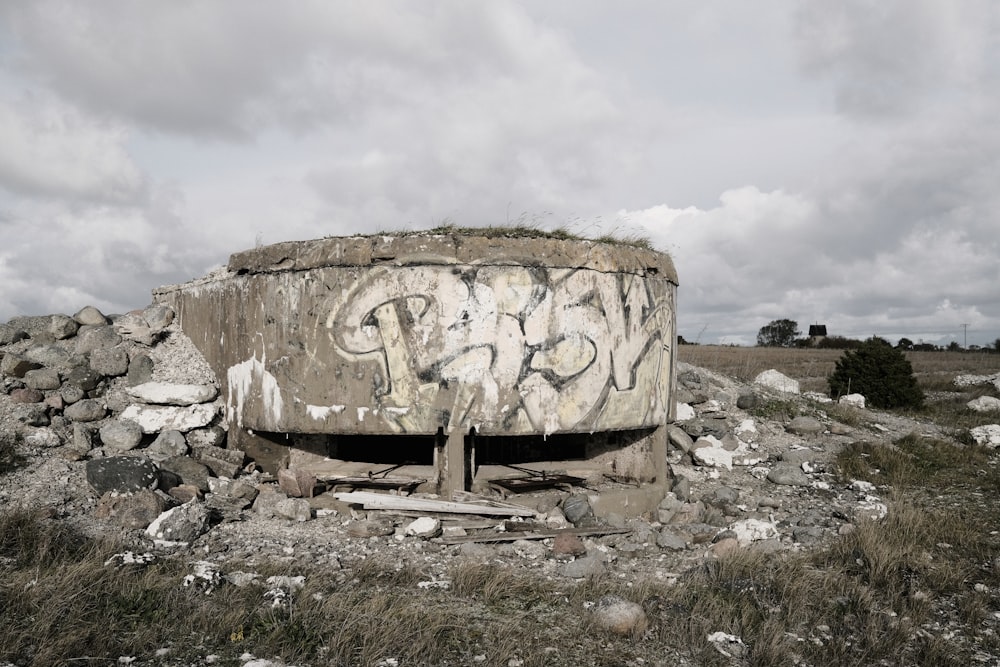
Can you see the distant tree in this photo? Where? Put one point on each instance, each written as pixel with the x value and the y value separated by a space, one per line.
pixel 996 345
pixel 904 344
pixel 880 372
pixel 838 343
pixel 681 341
pixel 925 347
pixel 778 333
pixel 953 346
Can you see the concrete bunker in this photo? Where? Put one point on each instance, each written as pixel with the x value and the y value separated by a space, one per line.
pixel 450 359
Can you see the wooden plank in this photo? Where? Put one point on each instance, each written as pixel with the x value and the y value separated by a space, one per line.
pixel 533 535
pixel 379 501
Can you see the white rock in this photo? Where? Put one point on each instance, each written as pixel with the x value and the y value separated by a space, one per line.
pixel 165 393
pixel 984 404
pixel 746 430
pixel 972 380
pixel 708 451
pixel 153 419
pixel 684 412
pixel 753 530
pixel 772 379
pixel 855 400
pixel 817 397
pixel 425 527
pixel 988 435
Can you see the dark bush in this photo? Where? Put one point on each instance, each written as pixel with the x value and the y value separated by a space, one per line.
pixel 880 372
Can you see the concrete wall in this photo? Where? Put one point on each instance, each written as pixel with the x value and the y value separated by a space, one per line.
pixel 412 334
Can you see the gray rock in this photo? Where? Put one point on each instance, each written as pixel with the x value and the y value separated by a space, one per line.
pixel 140 370
pixel 71 393
pixel 668 539
pixel 42 379
pixel 95 338
pixel 26 395
pixel 190 471
pixel 576 507
pixel 682 488
pixel 84 377
pixel 679 438
pixel 158 316
pixel 30 414
pixel 52 356
pixel 688 513
pixel 182 524
pixel 83 438
pixel 721 497
pixel 786 474
pixel 212 436
pixel 131 510
pixel 87 410
pixel 167 444
pixel 16 365
pixel 120 436
pixel 591 565
pixel 41 437
pixel 109 361
pixel 89 315
pixel 363 528
pixel 747 401
pixel 805 426
pixel 61 326
pixel 798 456
pixel 620 616
pixel 223 462
pixel 10 334
pixel 294 509
pixel 133 326
pixel 165 393
pixel 124 474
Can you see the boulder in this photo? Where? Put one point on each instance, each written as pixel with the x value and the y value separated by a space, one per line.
pixel 167 445
pixel 229 462
pixel 89 315
pixel 805 426
pixel 131 510
pixel 158 316
pixel 984 404
pixel 109 361
pixel 987 435
pixel 83 377
pixel 15 365
pixel 854 400
pixel 62 326
pixel 43 379
pixel 25 395
pixel 620 616
pixel 211 436
pixel 786 474
pixel 425 527
pixel 52 356
pixel 188 470
pixel 10 334
pixel 140 370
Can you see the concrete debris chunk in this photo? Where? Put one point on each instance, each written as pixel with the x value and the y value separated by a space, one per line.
pixel 777 381
pixel 165 393
pixel 154 419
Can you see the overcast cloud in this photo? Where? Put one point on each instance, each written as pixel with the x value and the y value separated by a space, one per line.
pixel 831 162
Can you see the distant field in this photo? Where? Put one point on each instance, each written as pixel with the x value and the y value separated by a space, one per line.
pixel 934 370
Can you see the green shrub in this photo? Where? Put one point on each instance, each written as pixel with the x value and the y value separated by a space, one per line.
pixel 880 372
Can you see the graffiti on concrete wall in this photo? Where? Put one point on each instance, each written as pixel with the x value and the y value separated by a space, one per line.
pixel 510 348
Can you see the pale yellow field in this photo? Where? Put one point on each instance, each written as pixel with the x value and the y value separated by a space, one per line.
pixel 934 370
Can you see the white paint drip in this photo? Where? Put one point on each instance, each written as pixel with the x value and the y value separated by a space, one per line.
pixel 251 376
pixel 361 414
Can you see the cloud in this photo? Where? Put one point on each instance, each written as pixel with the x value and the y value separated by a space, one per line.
pixel 50 149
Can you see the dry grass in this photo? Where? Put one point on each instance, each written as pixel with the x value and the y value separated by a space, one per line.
pixel 811 367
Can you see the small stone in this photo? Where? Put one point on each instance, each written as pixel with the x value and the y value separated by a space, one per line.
pixel 591 565
pixel 370 528
pixel 671 541
pixel 567 544
pixel 42 379
pixel 682 488
pixel 89 315
pixel 577 507
pixel 425 528
pixel 836 428
pixel 83 438
pixel 620 616
pixel 753 530
pixel 41 437
pixel 709 451
pixel 109 361
pixel 184 493
pixel 180 525
pixel 120 436
pixel 26 395
pixel 30 414
pixel 805 426
pixel 724 547
pixel 140 370
pixel 853 400
pixel 189 471
pixel 787 475
pixel 211 436
pixel 83 377
pixel 71 393
pixel 87 410
pixel 295 482
pixel 679 439
pixel 688 513
pixel 131 510
pixel 167 445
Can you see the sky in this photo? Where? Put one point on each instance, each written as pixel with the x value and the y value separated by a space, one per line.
pixel 825 162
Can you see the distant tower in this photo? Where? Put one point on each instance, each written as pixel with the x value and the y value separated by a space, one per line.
pixel 817 332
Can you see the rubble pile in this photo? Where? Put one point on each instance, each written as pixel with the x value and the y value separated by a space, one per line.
pixel 118 423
